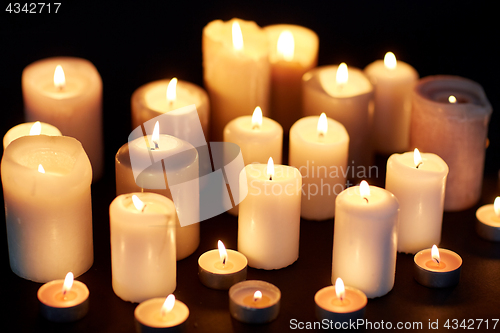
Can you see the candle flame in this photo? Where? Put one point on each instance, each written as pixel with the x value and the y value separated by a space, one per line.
pixel 156 135
pixel 270 168
pixel 340 289
pixel 237 36
pixel 257 296
pixel 286 45
pixel 322 127
pixel 390 61
pixel 59 78
pixel 342 74
pixel 139 205
pixel 68 283
pixel 172 90
pixel 36 129
pixel 496 206
pixel 257 118
pixel 452 99
pixel 168 305
pixel 41 169
pixel 222 252
pixel 364 189
pixel 417 158
pixel 435 254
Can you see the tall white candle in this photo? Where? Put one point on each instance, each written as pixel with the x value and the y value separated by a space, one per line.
pixel 143 261
pixel 319 148
pixel 25 129
pixel 70 99
pixel 365 239
pixel 418 181
pixel 46 186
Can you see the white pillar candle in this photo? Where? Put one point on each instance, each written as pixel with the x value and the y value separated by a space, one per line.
pixel 25 129
pixel 153 180
pixel 154 99
pixel 319 148
pixel 345 97
pixel 456 130
pixel 236 70
pixel 393 81
pixel 46 187
pixel 488 221
pixel 365 239
pixel 71 101
pixel 143 262
pixel 269 217
pixel 161 315
pixel 293 50
pixel 418 181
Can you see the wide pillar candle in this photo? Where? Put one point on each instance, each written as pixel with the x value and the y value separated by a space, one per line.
pixel 269 217
pixel 320 154
pixel 365 239
pixel 236 70
pixel 393 81
pixel 348 102
pixel 456 131
pixel 419 187
pixel 143 262
pixel 46 187
pixel 293 50
pixel 74 106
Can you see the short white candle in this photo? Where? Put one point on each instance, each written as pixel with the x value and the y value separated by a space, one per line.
pixel 25 129
pixel 254 302
pixel 161 315
pixel 488 221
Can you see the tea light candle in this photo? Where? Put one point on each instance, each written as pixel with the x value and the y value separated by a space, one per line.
pixel 64 300
pixel 455 130
pixel 220 269
pixel 488 221
pixel 254 302
pixel 437 268
pixel 161 315
pixel 33 128
pixel 339 303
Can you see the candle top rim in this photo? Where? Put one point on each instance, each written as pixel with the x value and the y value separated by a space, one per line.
pixel 402 70
pixel 350 292
pixel 323 77
pixel 406 160
pixel 244 124
pixel 285 173
pixel 336 134
pixel 125 200
pixel 486 213
pixel 239 264
pixel 424 256
pixel 155 304
pixel 56 286
pixel 359 206
pixel 24 128
pixel 268 289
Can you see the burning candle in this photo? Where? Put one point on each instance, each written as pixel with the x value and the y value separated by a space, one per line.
pixel 488 221
pixel 318 149
pixel 161 315
pixel 220 269
pixel 437 268
pixel 339 303
pixel 67 93
pixel 33 128
pixel 365 239
pixel 254 302
pixel 64 300
pixel 143 261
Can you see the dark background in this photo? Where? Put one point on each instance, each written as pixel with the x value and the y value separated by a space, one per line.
pixel 132 43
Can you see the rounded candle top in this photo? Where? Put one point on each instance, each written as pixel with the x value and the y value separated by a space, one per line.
pixel 248 132
pixel 26 129
pixel 306 130
pixel 151 313
pixel 211 261
pixel 448 260
pixel 358 201
pixel 157 209
pixel 306 43
pixel 378 70
pixel 431 164
pixel 246 294
pixel 353 300
pixel 489 214
pixel 51 294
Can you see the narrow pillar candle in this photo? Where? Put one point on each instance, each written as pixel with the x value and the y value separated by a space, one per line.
pixel 70 99
pixel 46 187
pixel 143 262
pixel 344 95
pixel 455 129
pixel 293 50
pixel 365 239
pixel 488 221
pixel 25 129
pixel 419 182
pixel 318 149
pixel 269 217
pixel 236 70
pixel 393 81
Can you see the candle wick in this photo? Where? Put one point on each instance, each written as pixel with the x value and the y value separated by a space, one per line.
pixel 223 261
pixel 419 164
pixel 143 207
pixel 256 126
pixel 270 177
pixel 366 199
pixel 436 260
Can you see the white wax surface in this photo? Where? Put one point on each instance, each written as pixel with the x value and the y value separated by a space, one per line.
pixel 327 299
pixel 449 260
pixel 210 261
pixel 243 294
pixel 357 83
pixel 24 130
pixel 51 294
pixel 148 313
pixel 486 214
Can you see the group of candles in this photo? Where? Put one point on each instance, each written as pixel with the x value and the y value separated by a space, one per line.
pixel 46 176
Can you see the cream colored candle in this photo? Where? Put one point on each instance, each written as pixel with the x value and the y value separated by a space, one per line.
pixel 153 179
pixel 345 96
pixel 419 182
pixel 293 50
pixel 143 261
pixel 319 148
pixel 236 70
pixel 269 217
pixel 159 97
pixel 365 239
pixel 254 301
pixel 46 187
pixel 456 130
pixel 437 268
pixel 161 315
pixel 25 129
pixel 393 81
pixel 488 221
pixel 70 99
pixel 339 303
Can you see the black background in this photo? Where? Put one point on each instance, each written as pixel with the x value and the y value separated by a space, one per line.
pixel 132 43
